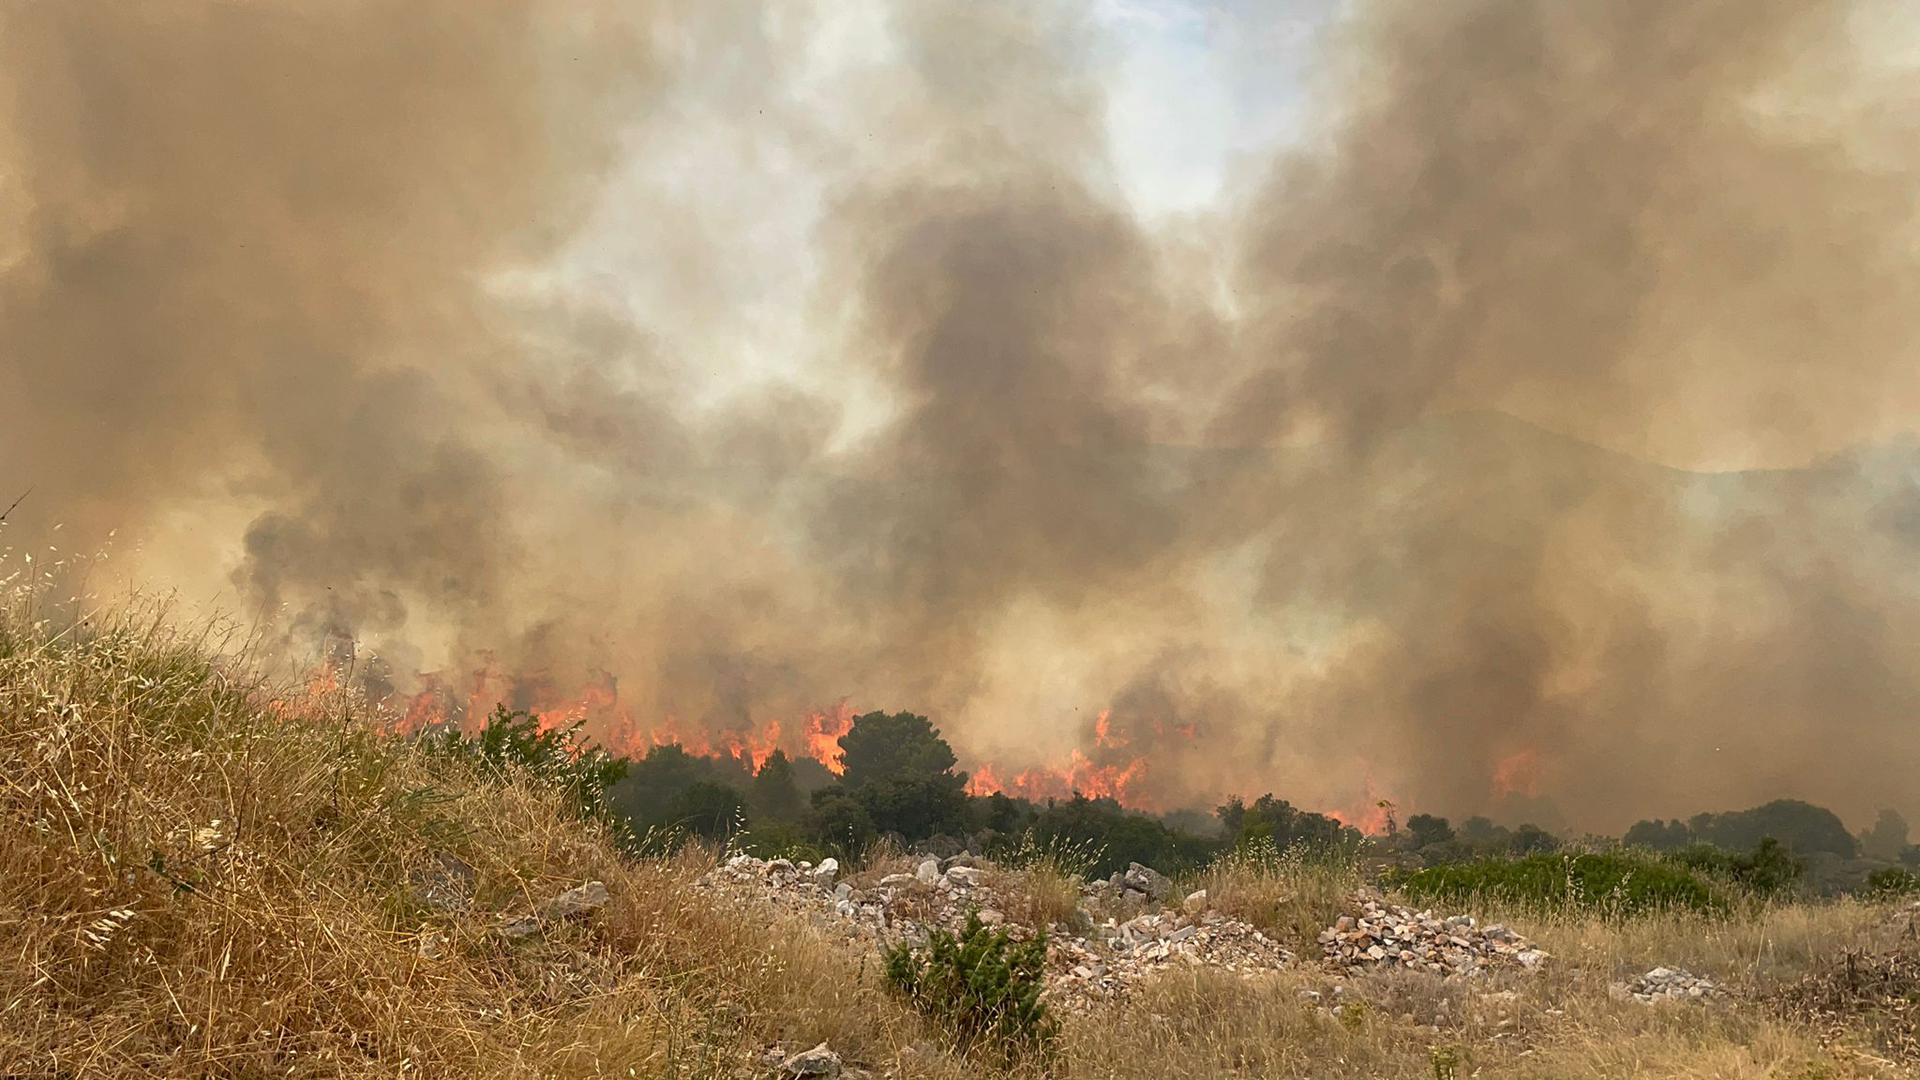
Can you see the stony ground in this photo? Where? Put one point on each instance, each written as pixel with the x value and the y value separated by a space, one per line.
pixel 1123 931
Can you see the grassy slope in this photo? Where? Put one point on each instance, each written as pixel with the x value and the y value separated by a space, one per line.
pixel 200 876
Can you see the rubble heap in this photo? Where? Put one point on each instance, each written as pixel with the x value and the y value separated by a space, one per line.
pixel 1119 954
pixel 1382 934
pixel 1083 965
pixel 1667 984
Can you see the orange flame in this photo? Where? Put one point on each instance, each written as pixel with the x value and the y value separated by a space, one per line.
pixel 824 730
pixel 983 782
pixel 1518 773
pixel 1106 774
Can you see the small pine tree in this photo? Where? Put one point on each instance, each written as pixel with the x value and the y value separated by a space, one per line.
pixel 980 985
pixel 513 741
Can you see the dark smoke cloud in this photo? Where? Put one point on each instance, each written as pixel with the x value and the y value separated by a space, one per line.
pixel 1412 471
pixel 1606 218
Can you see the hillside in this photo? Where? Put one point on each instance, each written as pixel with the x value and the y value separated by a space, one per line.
pixel 202 873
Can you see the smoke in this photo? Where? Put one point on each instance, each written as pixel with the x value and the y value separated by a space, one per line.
pixel 1529 436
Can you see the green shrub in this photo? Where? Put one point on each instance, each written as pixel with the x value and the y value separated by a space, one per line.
pixel 513 742
pixel 779 840
pixel 981 986
pixel 1893 881
pixel 1768 871
pixel 1617 883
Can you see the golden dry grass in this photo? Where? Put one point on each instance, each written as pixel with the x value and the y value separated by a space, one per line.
pixel 1290 895
pixel 204 875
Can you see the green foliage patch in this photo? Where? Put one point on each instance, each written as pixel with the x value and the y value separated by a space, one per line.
pixel 1617 883
pixel 981 986
pixel 512 742
pixel 1893 881
pixel 1768 871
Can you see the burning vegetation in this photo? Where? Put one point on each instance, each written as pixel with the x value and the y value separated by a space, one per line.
pixel 1526 435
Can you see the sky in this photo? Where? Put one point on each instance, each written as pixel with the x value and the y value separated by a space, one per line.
pixel 1200 89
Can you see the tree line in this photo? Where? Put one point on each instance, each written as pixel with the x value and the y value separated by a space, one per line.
pixel 899 779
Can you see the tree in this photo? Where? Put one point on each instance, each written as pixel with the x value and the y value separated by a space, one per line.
pixel 646 796
pixel 916 807
pixel 773 795
pixel 894 746
pixel 838 819
pixel 1658 835
pixel 1888 837
pixel 1802 827
pixel 1277 821
pixel 1529 839
pixel 1482 837
pixel 1426 830
pixel 707 809
pixel 1112 837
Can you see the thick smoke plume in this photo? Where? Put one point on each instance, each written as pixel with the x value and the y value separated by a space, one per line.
pixel 1532 435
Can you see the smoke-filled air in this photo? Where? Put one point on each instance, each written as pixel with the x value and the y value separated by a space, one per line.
pixel 1520 419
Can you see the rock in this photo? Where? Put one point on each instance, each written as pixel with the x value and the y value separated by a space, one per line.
pixel 1666 984
pixel 517 929
pixel 819 1061
pixel 894 881
pixel 1147 881
pixel 842 891
pixel 579 900
pixel 575 902
pixel 445 883
pixel 963 875
pixel 1195 903
pixel 824 874
pixel 928 871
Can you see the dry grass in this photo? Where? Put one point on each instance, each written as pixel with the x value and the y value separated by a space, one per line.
pixel 1761 947
pixel 1040 882
pixel 1287 894
pixel 201 875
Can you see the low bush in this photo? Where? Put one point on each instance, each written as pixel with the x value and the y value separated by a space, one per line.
pixel 1893 881
pixel 1611 883
pixel 513 743
pixel 981 986
pixel 1769 871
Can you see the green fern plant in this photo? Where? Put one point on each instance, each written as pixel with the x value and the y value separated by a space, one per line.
pixel 982 986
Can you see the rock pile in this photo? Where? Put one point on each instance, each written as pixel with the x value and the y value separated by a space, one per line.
pixel 1082 966
pixel 1387 934
pixel 1667 984
pixel 1138 883
pixel 1119 954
